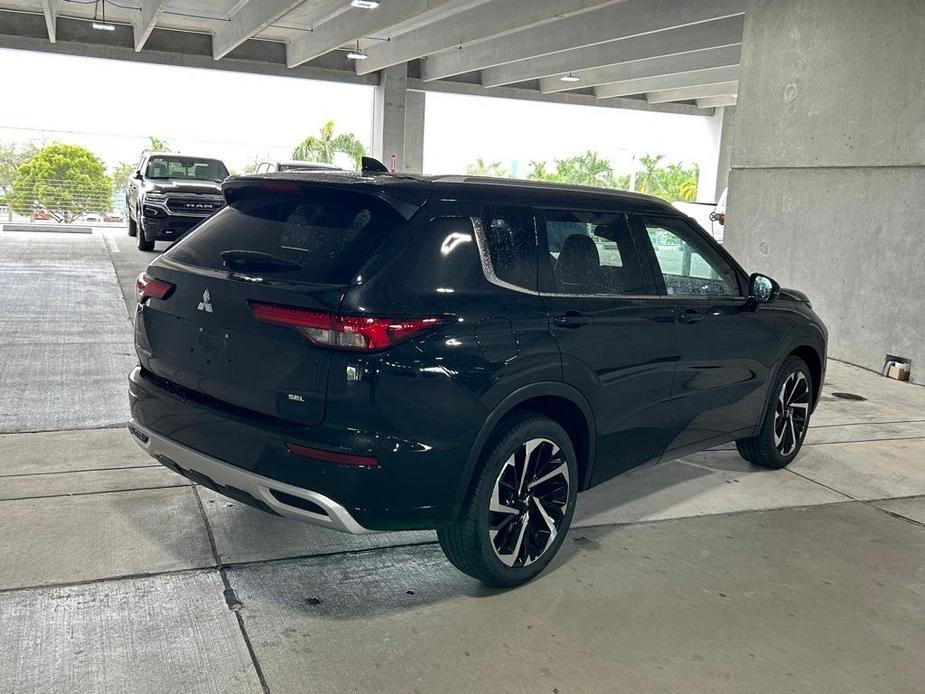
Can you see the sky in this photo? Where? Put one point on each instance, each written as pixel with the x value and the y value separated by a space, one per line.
pixel 112 107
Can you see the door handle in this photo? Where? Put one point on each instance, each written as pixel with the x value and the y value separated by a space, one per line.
pixel 691 316
pixel 571 319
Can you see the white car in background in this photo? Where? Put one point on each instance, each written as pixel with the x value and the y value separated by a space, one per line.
pixel 711 216
pixel 293 165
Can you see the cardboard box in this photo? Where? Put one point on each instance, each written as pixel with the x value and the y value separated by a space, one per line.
pixel 900 372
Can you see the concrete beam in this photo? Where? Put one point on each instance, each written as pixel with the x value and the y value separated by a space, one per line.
pixel 696 37
pixel 571 98
pixel 256 15
pixel 702 91
pixel 50 8
pixel 681 63
pixel 608 23
pixel 476 24
pixel 694 78
pixel 146 19
pixel 717 101
pixel 25 32
pixel 352 25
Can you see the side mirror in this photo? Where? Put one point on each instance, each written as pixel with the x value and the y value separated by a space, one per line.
pixel 762 288
pixel 137 175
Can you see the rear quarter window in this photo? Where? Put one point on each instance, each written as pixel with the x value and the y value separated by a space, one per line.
pixel 328 235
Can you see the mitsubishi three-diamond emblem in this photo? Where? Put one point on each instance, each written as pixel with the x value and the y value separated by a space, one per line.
pixel 206 303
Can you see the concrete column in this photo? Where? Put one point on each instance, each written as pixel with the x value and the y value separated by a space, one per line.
pixel 828 167
pixel 389 105
pixel 714 173
pixel 706 183
pixel 414 132
pixel 724 158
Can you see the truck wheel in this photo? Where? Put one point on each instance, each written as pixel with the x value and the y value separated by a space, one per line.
pixel 520 509
pixel 132 226
pixel 786 419
pixel 143 243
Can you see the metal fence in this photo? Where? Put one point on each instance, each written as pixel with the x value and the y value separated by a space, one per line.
pixel 60 200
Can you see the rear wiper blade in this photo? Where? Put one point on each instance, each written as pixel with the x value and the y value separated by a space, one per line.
pixel 256 260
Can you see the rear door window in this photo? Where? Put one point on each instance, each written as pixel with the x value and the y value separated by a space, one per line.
pixel 325 236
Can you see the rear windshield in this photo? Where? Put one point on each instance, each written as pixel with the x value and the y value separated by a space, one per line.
pixel 186 167
pixel 328 235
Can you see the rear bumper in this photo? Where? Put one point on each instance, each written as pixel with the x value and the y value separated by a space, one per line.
pixel 232 481
pixel 411 489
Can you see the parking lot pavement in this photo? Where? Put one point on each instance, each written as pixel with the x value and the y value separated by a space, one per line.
pixel 701 574
pixel 728 603
pixel 127 260
pixel 169 633
pixel 65 346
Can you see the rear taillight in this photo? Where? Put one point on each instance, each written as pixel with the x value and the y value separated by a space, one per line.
pixel 363 333
pixel 147 287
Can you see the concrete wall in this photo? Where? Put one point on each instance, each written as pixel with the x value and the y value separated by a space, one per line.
pixel 827 189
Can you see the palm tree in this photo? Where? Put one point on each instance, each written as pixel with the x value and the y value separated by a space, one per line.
pixel 323 148
pixel 678 182
pixel 649 180
pixel 588 169
pixel 538 171
pixel 481 167
pixel 156 144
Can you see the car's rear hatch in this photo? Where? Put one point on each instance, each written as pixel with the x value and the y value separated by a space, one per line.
pixel 279 243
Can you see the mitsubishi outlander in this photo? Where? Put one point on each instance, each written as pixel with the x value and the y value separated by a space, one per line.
pixel 373 351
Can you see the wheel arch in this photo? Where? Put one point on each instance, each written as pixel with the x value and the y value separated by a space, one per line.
pixel 813 360
pixel 558 401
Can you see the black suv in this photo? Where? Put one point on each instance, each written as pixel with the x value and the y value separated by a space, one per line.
pixel 169 194
pixel 380 352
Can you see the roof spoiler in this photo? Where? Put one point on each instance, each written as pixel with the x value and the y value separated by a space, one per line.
pixel 372 166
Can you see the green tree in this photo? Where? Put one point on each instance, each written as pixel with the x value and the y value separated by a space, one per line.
pixel 649 179
pixel 539 172
pixel 323 147
pixel 481 167
pixel 587 169
pixel 678 182
pixel 66 179
pixel 156 144
pixel 12 156
pixel 121 178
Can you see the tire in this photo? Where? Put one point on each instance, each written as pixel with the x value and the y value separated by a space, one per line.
pixel 143 243
pixel 783 427
pixel 513 544
pixel 132 226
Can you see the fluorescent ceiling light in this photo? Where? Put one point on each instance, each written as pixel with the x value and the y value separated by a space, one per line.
pixel 100 24
pixel 357 54
pixel 365 4
pixel 569 78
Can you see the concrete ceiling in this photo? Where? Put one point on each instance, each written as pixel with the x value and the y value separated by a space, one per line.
pixel 652 54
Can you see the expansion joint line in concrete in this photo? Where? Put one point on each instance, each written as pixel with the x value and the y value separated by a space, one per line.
pixel 230 598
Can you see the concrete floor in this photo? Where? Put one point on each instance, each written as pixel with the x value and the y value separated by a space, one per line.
pixel 699 575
